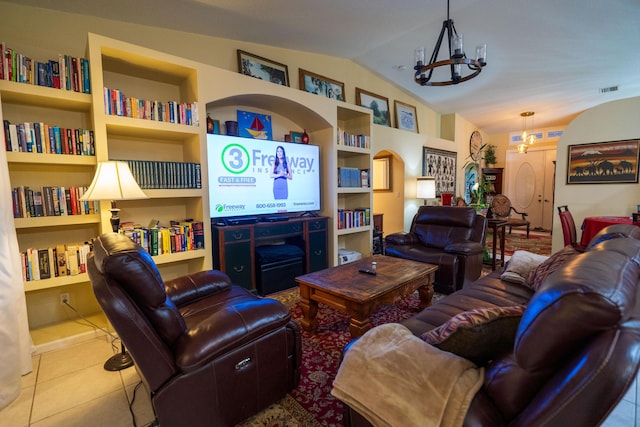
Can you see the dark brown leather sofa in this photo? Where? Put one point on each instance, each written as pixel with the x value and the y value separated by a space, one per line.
pixel 209 353
pixel 451 237
pixel 576 350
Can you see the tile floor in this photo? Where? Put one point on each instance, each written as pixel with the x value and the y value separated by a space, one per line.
pixel 69 387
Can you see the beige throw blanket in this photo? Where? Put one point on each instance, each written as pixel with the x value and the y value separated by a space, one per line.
pixel 393 378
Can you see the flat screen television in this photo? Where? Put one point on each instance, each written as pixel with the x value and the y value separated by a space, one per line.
pixel 244 180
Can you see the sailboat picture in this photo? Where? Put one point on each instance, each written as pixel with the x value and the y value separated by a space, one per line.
pixel 254 125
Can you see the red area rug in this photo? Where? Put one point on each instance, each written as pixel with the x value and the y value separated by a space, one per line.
pixel 311 404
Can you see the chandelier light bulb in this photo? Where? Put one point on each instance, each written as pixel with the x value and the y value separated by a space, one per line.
pixel 458 46
pixel 481 54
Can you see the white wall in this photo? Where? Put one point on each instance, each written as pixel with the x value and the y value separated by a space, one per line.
pixel 612 121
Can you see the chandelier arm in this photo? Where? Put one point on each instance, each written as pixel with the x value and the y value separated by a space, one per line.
pixel 430 67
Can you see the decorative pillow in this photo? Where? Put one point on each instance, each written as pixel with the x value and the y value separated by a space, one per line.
pixel 520 266
pixel 537 276
pixel 478 335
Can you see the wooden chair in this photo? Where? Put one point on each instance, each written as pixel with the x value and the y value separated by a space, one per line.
pixel 501 208
pixel 569 232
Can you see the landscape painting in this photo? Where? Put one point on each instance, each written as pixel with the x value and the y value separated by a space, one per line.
pixel 603 162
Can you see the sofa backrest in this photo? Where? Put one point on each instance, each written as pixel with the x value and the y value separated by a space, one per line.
pixel 578 343
pixel 439 226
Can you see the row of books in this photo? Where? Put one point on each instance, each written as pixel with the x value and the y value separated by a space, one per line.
pixel 61 260
pixel 165 175
pixel 65 72
pixel 51 201
pixel 38 137
pixel 117 103
pixel 179 236
pixel 350 140
pixel 351 218
pixel 353 177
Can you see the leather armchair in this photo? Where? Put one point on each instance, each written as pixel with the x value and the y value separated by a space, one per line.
pixel 451 237
pixel 209 352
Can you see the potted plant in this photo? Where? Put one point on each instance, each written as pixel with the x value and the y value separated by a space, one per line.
pixel 490 155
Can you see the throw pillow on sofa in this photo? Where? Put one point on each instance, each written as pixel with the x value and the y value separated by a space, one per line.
pixel 520 266
pixel 478 335
pixel 538 275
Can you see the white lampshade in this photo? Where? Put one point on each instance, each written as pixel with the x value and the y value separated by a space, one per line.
pixel 426 188
pixel 113 181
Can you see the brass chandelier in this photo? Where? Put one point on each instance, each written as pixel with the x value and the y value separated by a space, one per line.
pixel 526 138
pixel 457 58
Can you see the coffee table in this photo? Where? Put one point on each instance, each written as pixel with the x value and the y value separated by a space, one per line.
pixel 358 294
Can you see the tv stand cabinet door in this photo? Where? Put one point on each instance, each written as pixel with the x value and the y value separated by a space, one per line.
pixel 233 249
pixel 317 245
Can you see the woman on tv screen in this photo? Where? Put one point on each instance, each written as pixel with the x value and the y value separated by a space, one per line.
pixel 280 174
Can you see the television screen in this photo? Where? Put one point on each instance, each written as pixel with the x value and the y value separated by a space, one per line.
pixel 250 177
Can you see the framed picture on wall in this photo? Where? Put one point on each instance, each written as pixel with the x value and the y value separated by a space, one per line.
pixel 320 85
pixel 441 165
pixel 612 162
pixel 378 104
pixel 406 116
pixel 262 68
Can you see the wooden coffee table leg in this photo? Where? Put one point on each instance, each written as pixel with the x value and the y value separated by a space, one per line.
pixel 358 327
pixel 426 293
pixel 309 309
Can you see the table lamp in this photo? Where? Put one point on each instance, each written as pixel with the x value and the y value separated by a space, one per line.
pixel 114 181
pixel 426 188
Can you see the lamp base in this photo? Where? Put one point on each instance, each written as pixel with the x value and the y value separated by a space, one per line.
pixel 115 219
pixel 118 362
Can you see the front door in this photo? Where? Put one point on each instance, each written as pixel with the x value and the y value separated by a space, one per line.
pixel 529 182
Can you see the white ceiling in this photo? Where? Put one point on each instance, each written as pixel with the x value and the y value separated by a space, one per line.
pixel 547 56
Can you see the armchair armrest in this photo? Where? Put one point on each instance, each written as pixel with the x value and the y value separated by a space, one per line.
pixel 192 287
pixel 227 329
pixel 464 248
pixel 401 239
pixel 519 213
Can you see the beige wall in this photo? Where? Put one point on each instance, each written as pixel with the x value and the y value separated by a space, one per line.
pixel 612 121
pixel 29 30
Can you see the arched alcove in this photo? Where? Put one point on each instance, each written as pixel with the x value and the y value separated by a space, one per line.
pixel 389 202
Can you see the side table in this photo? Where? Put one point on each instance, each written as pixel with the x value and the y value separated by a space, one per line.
pixel 497 226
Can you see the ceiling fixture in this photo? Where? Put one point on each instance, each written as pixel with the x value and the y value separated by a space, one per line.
pixel 457 58
pixel 527 138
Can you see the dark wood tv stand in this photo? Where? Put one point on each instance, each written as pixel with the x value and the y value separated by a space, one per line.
pixel 234 245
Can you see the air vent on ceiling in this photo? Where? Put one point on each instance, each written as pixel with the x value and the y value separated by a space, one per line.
pixel 608 89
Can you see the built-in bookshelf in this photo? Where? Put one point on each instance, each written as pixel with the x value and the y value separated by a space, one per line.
pixel 353 225
pixel 146 112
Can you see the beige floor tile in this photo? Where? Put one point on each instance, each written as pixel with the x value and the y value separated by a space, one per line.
pixel 73 389
pixel 54 364
pixel 130 376
pixel 142 407
pixel 29 380
pixel 110 410
pixel 18 411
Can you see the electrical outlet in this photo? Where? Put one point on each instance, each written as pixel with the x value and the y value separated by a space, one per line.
pixel 64 298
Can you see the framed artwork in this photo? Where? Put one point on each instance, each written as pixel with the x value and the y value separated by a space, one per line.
pixel 612 162
pixel 254 125
pixel 441 165
pixel 378 104
pixel 262 68
pixel 320 85
pixel 296 137
pixel 406 116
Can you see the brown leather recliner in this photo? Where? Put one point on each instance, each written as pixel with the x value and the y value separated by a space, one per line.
pixel 210 353
pixel 451 237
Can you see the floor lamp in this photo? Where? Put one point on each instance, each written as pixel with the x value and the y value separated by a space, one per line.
pixel 426 188
pixel 114 181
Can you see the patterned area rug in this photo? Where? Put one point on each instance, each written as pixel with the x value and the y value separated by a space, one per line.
pixel 311 404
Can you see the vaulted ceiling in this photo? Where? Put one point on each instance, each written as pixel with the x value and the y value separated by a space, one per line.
pixel 548 56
